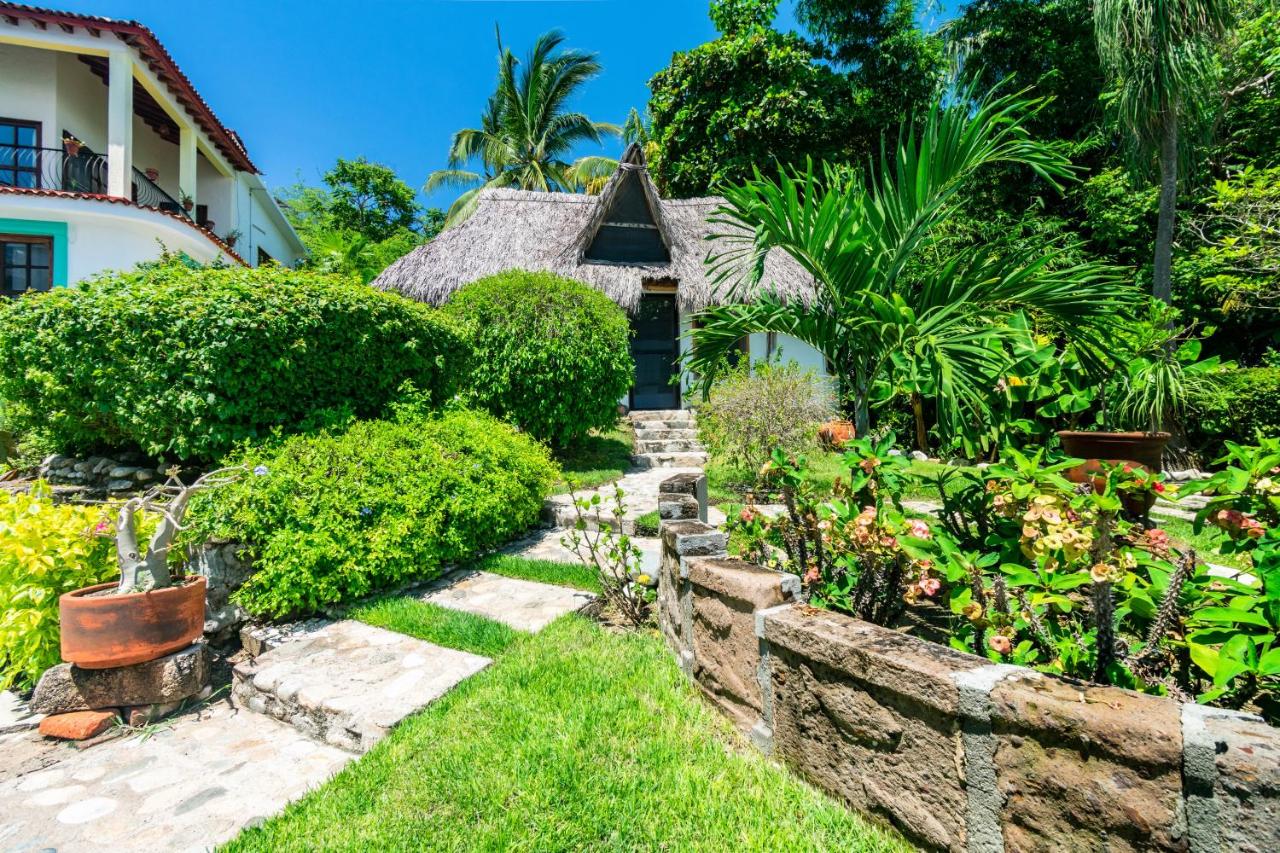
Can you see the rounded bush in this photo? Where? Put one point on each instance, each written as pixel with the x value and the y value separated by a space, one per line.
pixel 550 354
pixel 331 517
pixel 1236 406
pixel 186 363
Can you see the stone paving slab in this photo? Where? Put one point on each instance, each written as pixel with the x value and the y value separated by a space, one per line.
pixel 349 683
pixel 15 715
pixel 641 496
pixel 523 605
pixel 195 782
pixel 546 545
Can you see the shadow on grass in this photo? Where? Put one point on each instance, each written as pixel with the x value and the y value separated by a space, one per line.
pixel 598 459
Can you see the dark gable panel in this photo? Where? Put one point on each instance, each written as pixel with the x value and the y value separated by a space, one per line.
pixel 621 244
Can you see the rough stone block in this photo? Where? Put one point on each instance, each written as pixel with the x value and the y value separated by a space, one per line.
pixel 693 539
pixel 677 508
pixel 692 485
pixel 224 572
pixel 172 678
pixel 77 725
pixel 1247 790
pixel 1076 763
pixel 726 593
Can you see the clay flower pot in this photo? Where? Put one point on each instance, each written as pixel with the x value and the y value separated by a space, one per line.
pixel 1144 449
pixel 836 434
pixel 153 175
pixel 106 631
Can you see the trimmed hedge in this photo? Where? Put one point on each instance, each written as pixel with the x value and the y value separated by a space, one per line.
pixel 551 355
pixel 186 363
pixel 1240 403
pixel 332 517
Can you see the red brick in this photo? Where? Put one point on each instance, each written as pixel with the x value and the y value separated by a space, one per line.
pixel 77 725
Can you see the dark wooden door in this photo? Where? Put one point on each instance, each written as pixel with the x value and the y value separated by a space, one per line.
pixel 655 350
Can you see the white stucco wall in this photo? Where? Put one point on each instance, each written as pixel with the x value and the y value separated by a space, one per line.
pixel 104 236
pixel 28 80
pixel 81 104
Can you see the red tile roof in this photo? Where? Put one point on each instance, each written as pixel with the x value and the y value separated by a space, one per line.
pixel 157 59
pixel 111 199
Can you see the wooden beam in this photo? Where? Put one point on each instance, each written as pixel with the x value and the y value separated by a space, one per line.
pixel 39 25
pixel 66 28
pixel 11 19
pixel 94 31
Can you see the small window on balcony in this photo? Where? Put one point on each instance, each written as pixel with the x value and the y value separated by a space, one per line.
pixel 19 153
pixel 26 263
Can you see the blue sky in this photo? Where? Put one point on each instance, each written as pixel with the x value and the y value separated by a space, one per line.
pixel 307 82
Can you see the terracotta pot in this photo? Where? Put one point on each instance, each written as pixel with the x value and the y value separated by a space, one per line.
pixel 1144 449
pixel 153 175
pixel 836 434
pixel 72 148
pixel 101 632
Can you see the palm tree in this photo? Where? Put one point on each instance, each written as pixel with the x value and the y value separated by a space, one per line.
pixel 526 133
pixel 895 302
pixel 1160 55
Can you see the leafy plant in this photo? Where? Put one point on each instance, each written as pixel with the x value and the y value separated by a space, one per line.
pixel 858 238
pixel 551 355
pixel 617 562
pixel 46 549
pixel 332 517
pixel 187 363
pixel 753 409
pixel 1244 496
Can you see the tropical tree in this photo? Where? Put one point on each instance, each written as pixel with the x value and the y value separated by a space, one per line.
pixel 896 303
pixel 1161 57
pixel 526 132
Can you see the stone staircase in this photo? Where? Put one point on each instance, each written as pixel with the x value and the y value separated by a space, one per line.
pixel 667 439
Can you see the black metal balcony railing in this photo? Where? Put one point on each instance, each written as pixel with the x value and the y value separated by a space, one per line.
pixel 85 172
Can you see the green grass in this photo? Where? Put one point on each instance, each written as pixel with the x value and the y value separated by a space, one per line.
pixel 648 524
pixel 439 625
pixel 598 459
pixel 575 739
pixel 1205 542
pixel 724 484
pixel 573 574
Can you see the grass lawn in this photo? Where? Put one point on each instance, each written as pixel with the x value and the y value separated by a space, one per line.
pixel 1205 542
pixel 575 739
pixel 436 624
pixel 723 483
pixel 599 458
pixel 574 574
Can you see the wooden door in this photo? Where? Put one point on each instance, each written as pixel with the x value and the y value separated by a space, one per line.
pixel 655 348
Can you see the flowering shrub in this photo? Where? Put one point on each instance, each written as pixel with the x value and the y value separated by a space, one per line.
pixel 1244 497
pixel 46 549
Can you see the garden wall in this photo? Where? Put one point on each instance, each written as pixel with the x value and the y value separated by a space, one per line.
pixel 956 752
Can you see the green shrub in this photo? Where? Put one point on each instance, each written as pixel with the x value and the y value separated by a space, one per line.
pixel 1236 405
pixel 332 517
pixel 189 362
pixel 551 355
pixel 753 409
pixel 46 549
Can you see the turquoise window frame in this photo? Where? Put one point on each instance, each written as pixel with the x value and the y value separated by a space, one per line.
pixel 42 228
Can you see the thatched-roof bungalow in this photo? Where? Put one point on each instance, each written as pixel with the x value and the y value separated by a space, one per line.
pixel 646 253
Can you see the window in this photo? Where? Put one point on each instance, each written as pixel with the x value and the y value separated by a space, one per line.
pixel 19 153
pixel 263 257
pixel 26 263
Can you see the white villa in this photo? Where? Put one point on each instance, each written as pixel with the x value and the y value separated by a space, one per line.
pixel 109 156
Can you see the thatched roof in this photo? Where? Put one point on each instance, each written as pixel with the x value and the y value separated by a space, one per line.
pixel 543 231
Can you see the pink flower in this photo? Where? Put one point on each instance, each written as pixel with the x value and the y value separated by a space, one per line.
pixel 746 516
pixel 1000 644
pixel 930 586
pixel 919 529
pixel 812 576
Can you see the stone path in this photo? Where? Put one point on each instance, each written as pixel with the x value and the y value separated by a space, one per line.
pixel 521 604
pixel 667 439
pixel 546 545
pixel 14 714
pixel 641 496
pixel 196 782
pixel 308 704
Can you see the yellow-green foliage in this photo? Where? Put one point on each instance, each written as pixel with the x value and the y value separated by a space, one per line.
pixel 46 549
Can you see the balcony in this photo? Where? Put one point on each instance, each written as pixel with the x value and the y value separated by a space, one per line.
pixel 83 172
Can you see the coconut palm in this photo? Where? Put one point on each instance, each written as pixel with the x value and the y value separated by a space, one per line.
pixel 1160 56
pixel 526 133
pixel 893 296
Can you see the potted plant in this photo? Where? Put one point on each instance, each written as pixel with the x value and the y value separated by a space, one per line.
pixel 187 201
pixel 149 613
pixel 1145 397
pixel 232 236
pixel 152 173
pixel 834 435
pixel 71 145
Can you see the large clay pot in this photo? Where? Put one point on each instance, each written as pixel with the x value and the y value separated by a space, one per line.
pixel 834 435
pixel 1145 449
pixel 106 631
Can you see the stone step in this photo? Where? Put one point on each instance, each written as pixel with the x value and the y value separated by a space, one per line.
pixel 523 605
pixel 348 684
pixel 661 415
pixel 647 426
pixel 562 515
pixel 660 434
pixel 669 460
pixel 668 445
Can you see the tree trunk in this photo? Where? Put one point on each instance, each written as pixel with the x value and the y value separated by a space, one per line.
pixel 922 431
pixel 1162 282
pixel 861 413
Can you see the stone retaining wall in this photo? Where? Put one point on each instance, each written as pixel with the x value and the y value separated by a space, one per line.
pixel 128 472
pixel 956 752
